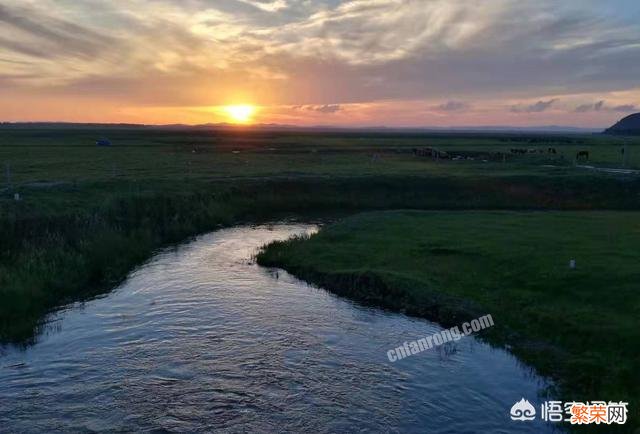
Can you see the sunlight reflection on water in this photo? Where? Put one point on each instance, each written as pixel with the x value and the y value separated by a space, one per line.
pixel 200 338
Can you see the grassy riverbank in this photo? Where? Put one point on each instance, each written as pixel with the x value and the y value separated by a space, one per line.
pixel 65 244
pixel 53 254
pixel 86 215
pixel 579 326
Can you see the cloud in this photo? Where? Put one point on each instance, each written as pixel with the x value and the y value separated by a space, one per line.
pixel 601 106
pixel 452 106
pixel 267 5
pixel 626 108
pixel 314 53
pixel 537 107
pixel 595 107
pixel 325 108
pixel 48 36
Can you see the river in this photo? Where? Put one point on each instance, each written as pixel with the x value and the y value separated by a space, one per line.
pixel 200 338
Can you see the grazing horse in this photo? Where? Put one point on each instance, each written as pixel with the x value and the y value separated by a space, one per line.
pixel 552 150
pixel 582 155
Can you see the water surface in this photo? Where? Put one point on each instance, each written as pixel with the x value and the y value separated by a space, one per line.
pixel 200 338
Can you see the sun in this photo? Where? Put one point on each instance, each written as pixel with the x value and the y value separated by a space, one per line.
pixel 240 114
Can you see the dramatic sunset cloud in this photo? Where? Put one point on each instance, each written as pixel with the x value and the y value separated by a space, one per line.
pixel 360 62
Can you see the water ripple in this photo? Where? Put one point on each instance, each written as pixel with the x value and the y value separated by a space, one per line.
pixel 201 339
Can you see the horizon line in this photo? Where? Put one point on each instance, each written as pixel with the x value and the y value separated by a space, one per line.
pixel 552 127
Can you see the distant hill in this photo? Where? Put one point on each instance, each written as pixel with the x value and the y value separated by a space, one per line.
pixel 629 126
pixel 505 129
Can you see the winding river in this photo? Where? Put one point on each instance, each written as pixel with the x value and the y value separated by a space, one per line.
pixel 200 338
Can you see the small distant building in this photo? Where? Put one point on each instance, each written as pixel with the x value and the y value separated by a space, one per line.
pixel 103 142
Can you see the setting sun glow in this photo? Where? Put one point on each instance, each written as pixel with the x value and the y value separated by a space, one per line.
pixel 240 114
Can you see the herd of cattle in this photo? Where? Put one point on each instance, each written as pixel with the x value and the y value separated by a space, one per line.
pixel 581 155
pixel 532 151
pixel 430 152
pixel 442 155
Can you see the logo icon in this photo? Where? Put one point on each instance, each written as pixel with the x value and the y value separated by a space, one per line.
pixel 523 410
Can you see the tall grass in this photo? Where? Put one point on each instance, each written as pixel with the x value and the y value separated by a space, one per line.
pixel 49 258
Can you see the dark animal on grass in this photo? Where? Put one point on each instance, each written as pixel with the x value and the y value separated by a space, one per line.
pixel 423 152
pixel 552 151
pixel 582 155
pixel 430 152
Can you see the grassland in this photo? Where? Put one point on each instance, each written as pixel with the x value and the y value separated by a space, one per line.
pixel 87 214
pixel 70 155
pixel 58 170
pixel 579 326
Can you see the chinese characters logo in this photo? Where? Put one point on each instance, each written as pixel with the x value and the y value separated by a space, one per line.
pixel 576 413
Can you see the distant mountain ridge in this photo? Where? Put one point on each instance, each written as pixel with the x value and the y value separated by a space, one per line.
pixel 552 129
pixel 629 125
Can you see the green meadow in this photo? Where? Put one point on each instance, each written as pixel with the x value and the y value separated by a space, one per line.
pixel 489 231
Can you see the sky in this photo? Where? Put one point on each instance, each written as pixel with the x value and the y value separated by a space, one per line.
pixel 322 62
